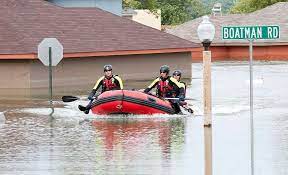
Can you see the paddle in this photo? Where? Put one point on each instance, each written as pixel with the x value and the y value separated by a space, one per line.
pixel 178 98
pixel 167 97
pixel 85 109
pixel 69 98
pixel 176 103
pixel 186 108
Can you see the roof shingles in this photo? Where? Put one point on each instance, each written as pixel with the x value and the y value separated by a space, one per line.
pixel 27 22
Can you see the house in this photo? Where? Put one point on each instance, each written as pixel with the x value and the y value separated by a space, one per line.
pixel 91 38
pixel 238 49
pixel 217 9
pixel 146 17
pixel 113 6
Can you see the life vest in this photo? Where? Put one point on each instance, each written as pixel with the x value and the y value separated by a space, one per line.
pixel 109 84
pixel 164 89
pixel 176 90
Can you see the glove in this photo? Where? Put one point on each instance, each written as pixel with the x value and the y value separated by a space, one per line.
pixel 182 103
pixel 181 98
pixel 146 91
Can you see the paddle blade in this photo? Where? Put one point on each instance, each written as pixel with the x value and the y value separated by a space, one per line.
pixel 69 98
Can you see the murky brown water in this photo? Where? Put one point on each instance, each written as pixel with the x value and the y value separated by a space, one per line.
pixel 31 142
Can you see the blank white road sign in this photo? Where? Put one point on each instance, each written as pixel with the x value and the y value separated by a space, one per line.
pixel 56 50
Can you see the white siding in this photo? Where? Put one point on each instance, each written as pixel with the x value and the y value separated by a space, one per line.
pixel 147 18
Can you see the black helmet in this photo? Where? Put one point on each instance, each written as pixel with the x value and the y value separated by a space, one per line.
pixel 164 69
pixel 108 67
pixel 177 72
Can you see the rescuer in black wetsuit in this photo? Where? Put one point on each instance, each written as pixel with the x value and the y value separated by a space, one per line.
pixel 107 82
pixel 164 87
pixel 177 75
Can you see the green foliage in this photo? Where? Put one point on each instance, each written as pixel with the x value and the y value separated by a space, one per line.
pixel 172 11
pixel 179 11
pixel 131 4
pixel 152 5
pixel 247 6
pixel 140 4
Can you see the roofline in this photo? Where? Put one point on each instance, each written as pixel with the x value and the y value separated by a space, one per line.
pixel 18 56
pixel 247 44
pixel 95 54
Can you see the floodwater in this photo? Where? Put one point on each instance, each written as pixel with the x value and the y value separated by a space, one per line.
pixel 71 142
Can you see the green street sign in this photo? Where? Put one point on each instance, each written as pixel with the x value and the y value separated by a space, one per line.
pixel 250 32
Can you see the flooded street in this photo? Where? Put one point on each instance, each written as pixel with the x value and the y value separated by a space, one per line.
pixel 74 143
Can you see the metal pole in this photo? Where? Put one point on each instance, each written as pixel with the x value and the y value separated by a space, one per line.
pixel 50 80
pixel 251 104
pixel 50 76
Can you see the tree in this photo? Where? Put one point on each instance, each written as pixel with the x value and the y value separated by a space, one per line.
pixel 179 11
pixel 172 11
pixel 131 4
pixel 247 6
pixel 141 4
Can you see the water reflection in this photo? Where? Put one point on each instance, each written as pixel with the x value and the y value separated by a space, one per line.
pixel 208 150
pixel 38 143
pixel 134 135
pixel 2 118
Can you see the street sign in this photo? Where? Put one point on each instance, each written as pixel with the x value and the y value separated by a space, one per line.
pixel 50 52
pixel 56 51
pixel 250 32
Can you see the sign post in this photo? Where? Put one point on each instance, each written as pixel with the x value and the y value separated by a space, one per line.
pixel 50 53
pixel 251 103
pixel 251 33
pixel 50 77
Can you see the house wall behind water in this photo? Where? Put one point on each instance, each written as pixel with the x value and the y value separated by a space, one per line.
pixel 78 75
pixel 14 78
pixel 241 53
pixel 113 6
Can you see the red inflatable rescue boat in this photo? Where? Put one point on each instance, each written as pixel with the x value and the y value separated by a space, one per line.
pixel 130 102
